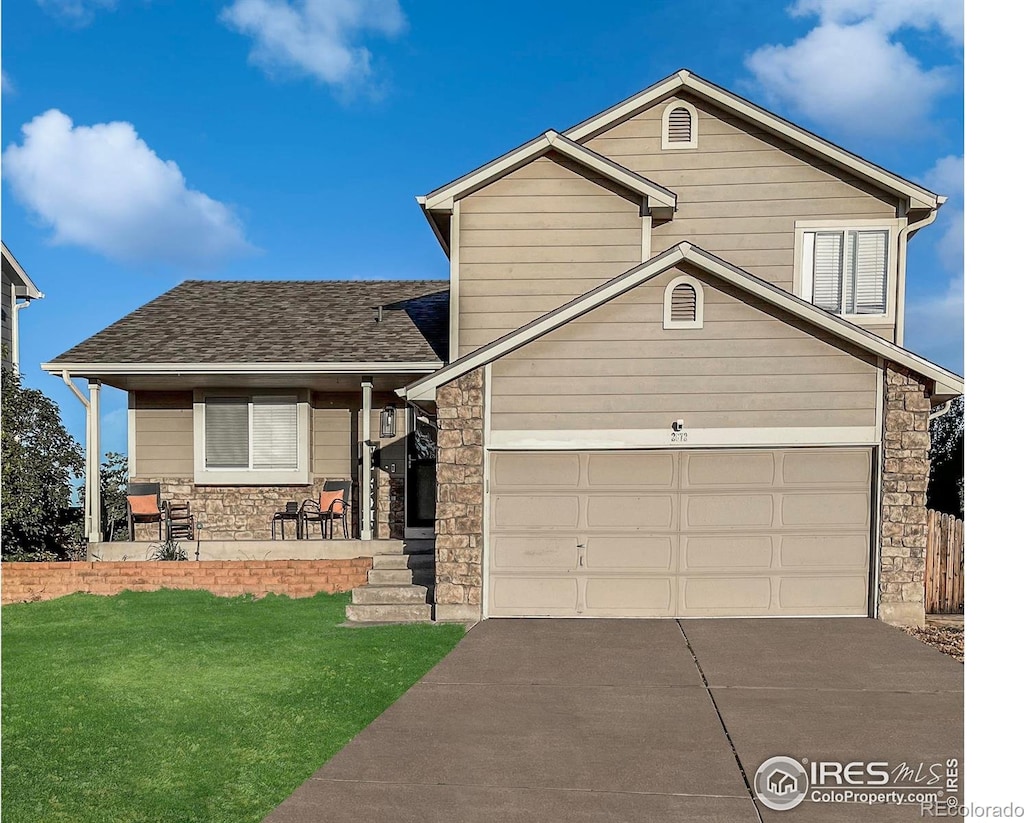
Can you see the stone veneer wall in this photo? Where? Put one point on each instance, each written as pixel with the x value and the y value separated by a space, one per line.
pixel 237 512
pixel 390 506
pixel 905 467
pixel 460 497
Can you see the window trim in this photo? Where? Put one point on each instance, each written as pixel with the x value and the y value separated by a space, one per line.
pixel 666 144
pixel 802 272
pixel 299 476
pixel 698 315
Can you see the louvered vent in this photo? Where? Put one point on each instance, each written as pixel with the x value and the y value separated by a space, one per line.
pixel 684 304
pixel 680 126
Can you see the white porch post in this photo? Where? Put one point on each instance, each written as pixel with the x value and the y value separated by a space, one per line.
pixel 365 530
pixel 93 495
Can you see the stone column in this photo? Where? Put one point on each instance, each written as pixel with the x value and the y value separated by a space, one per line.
pixel 459 522
pixel 390 506
pixel 905 468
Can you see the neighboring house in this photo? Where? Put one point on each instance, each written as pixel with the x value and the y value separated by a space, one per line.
pixel 18 293
pixel 676 384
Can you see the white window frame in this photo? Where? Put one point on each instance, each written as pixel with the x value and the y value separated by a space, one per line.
pixel 803 271
pixel 299 476
pixel 698 290
pixel 676 145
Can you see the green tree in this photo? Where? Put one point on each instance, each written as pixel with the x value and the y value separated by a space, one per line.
pixel 39 461
pixel 114 487
pixel 946 483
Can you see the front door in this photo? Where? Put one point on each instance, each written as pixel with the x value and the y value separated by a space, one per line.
pixel 421 478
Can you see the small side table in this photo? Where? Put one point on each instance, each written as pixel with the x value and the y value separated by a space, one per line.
pixel 291 512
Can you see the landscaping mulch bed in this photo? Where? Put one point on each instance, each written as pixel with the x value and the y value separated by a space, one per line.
pixel 947 639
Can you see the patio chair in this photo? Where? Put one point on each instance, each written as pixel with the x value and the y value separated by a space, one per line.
pixel 181 523
pixel 144 506
pixel 333 505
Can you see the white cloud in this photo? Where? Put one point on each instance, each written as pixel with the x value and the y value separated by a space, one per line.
pixel 935 323
pixel 945 15
pixel 75 12
pixel 103 188
pixel 314 37
pixel 850 74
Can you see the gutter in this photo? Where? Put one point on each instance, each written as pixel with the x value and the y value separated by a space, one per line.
pixel 940 411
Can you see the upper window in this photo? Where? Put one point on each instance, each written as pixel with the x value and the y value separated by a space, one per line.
pixel 679 126
pixel 847 271
pixel 251 438
pixel 684 304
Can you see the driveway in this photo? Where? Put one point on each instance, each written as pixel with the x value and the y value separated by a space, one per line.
pixel 637 720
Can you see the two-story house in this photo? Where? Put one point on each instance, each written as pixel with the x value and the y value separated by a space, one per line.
pixel 665 378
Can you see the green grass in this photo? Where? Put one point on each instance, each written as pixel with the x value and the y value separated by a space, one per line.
pixel 181 706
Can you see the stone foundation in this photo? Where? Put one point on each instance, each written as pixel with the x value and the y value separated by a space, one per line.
pixel 390 506
pixel 237 512
pixel 905 467
pixel 460 496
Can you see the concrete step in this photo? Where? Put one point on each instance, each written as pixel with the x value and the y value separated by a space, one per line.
pixel 409 613
pixel 391 561
pixel 389 595
pixel 386 547
pixel 389 577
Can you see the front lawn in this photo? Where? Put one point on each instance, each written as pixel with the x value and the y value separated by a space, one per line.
pixel 181 706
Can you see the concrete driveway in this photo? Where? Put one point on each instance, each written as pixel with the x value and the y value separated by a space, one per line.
pixel 637 720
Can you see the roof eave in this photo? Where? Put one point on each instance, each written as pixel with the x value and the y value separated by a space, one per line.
pixel 27 290
pixel 84 369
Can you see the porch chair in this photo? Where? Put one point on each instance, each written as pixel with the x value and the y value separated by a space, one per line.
pixel 334 504
pixel 144 506
pixel 181 523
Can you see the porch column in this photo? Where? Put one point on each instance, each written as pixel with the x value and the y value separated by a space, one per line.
pixel 365 529
pixel 93 495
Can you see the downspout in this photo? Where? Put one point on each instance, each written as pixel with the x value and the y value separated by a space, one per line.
pixel 901 244
pixel 940 411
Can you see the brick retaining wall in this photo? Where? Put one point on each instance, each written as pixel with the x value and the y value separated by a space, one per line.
pixel 23 582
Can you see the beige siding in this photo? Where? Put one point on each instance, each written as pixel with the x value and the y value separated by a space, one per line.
pixel 740 191
pixel 163 433
pixel 535 239
pixel 5 306
pixel 617 368
pixel 335 432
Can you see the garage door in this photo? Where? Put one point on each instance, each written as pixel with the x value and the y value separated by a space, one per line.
pixel 679 534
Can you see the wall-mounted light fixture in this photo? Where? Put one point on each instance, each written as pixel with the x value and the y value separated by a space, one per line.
pixel 387 422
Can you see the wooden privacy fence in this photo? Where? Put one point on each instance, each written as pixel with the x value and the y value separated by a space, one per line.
pixel 944 565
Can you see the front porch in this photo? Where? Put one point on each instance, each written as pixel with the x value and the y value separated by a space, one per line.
pixel 126 550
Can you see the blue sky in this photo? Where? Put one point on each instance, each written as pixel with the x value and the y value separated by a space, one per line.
pixel 150 142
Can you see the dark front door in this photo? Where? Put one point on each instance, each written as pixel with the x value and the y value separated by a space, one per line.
pixel 422 478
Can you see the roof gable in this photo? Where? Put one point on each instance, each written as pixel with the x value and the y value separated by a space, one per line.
pixel 660 200
pixel 919 197
pixel 947 383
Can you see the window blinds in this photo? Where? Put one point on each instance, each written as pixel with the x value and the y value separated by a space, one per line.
pixel 274 433
pixel 869 264
pixel 828 270
pixel 227 432
pixel 850 271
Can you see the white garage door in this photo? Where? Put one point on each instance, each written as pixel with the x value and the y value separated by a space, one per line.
pixel 680 534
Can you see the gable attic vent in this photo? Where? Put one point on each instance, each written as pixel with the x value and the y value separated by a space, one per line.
pixel 684 304
pixel 679 126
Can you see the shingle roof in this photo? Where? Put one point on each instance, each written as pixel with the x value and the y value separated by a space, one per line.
pixel 279 321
